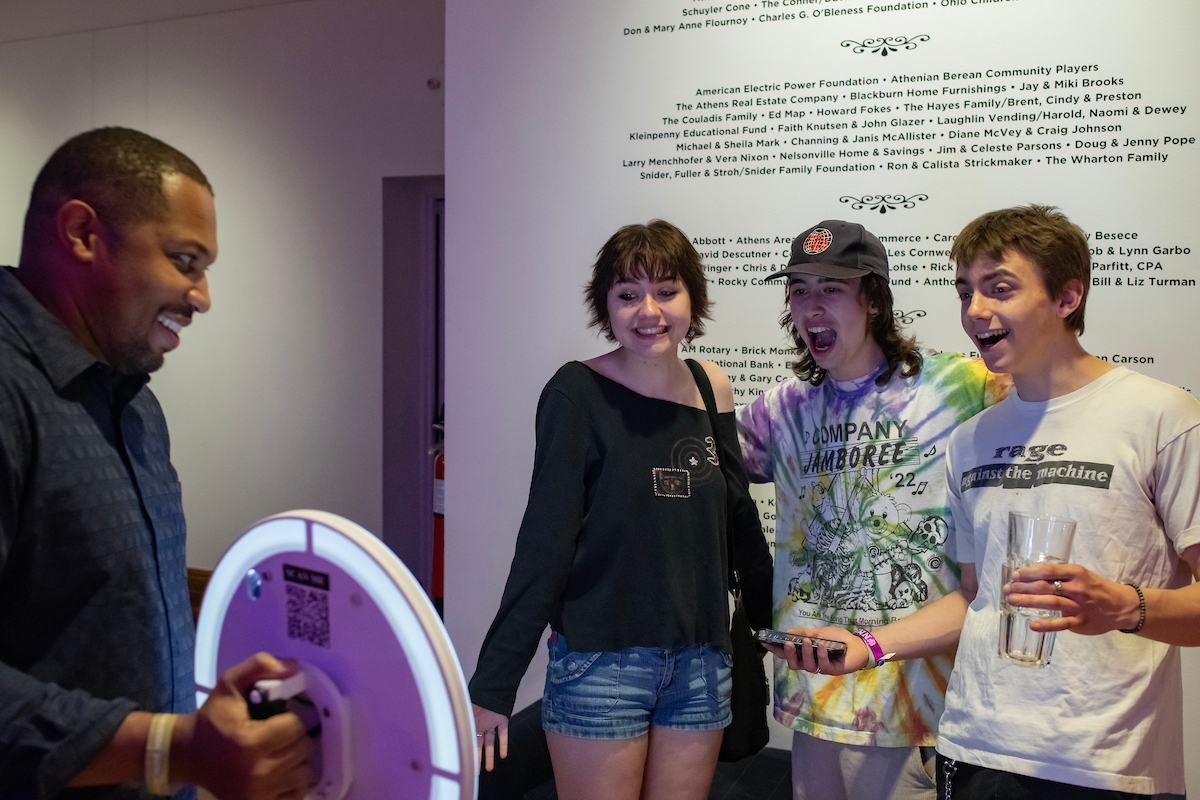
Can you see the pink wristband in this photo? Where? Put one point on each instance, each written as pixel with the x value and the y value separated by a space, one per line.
pixel 877 655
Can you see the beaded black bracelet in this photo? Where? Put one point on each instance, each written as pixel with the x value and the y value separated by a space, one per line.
pixel 1141 610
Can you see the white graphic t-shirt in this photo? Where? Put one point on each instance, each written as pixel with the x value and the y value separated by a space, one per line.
pixel 1121 457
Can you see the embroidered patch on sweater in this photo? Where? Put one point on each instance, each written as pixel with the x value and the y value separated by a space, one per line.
pixel 672 482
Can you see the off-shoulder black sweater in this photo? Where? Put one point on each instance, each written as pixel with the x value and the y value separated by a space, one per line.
pixel 623 540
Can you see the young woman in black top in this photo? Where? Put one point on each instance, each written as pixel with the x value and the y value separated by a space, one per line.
pixel 622 547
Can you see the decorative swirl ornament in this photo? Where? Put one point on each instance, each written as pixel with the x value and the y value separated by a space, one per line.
pixel 886 44
pixel 883 203
pixel 907 317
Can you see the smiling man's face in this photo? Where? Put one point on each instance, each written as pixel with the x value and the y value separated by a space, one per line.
pixel 151 278
pixel 1009 314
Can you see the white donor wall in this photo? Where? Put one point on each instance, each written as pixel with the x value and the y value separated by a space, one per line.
pixel 746 122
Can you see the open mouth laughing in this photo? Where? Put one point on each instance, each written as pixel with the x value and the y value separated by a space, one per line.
pixel 821 339
pixel 169 324
pixel 172 325
pixel 991 337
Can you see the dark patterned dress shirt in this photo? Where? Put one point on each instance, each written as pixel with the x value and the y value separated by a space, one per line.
pixel 94 614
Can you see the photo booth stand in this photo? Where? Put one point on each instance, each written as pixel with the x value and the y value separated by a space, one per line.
pixel 380 688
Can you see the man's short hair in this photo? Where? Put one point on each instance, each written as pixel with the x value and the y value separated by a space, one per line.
pixel 117 171
pixel 660 252
pixel 1044 235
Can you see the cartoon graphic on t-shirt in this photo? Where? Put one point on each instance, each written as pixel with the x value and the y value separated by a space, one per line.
pixel 866 551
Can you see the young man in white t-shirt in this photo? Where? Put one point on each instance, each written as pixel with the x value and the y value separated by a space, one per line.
pixel 1080 438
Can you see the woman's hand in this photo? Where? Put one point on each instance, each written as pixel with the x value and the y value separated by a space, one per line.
pixel 489 727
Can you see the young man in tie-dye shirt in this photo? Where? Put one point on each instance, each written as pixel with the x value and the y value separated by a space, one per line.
pixel 854 445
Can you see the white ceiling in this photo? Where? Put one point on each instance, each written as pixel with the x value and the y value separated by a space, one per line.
pixel 35 19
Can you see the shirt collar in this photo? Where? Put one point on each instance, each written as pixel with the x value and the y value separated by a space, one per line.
pixel 857 387
pixel 59 354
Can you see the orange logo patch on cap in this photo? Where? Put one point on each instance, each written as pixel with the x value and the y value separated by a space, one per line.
pixel 818 241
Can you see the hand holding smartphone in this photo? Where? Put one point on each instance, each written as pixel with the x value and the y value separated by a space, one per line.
pixel 833 648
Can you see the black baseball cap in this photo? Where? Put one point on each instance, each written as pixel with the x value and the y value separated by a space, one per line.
pixel 836 249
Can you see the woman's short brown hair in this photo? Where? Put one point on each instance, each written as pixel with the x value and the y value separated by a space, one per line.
pixel 660 252
pixel 1044 235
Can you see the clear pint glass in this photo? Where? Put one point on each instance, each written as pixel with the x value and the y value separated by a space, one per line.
pixel 1031 540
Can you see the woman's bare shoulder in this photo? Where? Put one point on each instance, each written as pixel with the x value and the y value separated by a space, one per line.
pixel 722 387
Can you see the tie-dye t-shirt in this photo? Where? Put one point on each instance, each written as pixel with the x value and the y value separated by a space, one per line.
pixel 860 501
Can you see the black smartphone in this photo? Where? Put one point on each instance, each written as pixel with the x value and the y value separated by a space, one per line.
pixel 834 648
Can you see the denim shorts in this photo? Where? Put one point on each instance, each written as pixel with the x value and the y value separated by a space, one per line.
pixel 620 694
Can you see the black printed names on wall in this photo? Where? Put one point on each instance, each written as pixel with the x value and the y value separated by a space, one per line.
pixel 689 18
pixel 1126 260
pixel 1032 116
pixel 752 368
pixel 745 261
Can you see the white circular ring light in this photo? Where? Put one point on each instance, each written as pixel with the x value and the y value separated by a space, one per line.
pixel 316 587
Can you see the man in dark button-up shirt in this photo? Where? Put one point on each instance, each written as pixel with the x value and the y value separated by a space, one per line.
pixel 96 634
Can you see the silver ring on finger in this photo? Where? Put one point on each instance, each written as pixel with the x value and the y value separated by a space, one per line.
pixel 1058 588
pixel 818 670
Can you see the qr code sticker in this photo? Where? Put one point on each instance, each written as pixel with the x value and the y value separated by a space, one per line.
pixel 308 615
